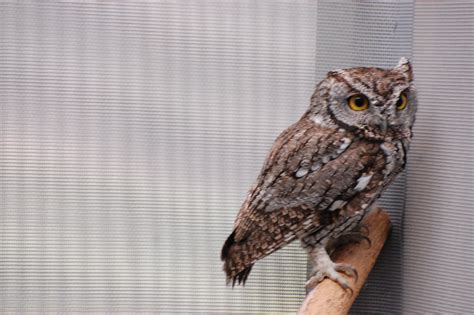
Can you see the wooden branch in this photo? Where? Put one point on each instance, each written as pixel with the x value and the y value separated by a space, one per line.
pixel 328 297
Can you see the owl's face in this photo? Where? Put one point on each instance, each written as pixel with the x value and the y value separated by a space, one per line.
pixel 376 103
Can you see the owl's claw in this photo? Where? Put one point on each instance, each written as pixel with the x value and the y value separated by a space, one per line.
pixel 333 274
pixel 363 229
pixel 364 234
pixel 324 267
pixel 347 269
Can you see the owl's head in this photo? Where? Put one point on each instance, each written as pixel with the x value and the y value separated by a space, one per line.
pixel 375 103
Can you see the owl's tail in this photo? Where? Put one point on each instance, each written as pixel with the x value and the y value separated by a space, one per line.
pixel 234 265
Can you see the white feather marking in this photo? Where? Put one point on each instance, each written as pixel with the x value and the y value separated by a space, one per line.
pixel 338 204
pixel 362 182
pixel 346 142
pixel 301 172
pixel 385 149
pixel 318 120
pixel 325 159
pixel 389 154
pixel 401 149
pixel 316 166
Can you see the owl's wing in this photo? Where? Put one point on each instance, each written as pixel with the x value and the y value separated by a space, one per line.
pixel 310 170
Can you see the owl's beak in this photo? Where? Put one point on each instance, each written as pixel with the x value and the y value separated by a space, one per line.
pixel 383 126
pixel 380 123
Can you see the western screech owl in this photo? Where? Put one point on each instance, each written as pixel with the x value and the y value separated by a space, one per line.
pixel 325 171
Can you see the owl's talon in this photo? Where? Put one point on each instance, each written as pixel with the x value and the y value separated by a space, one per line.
pixel 347 269
pixel 324 267
pixel 364 234
pixel 367 239
pixel 333 275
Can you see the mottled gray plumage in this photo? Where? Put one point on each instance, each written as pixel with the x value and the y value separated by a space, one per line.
pixel 327 169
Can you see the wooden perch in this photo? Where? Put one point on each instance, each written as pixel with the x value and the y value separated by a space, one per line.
pixel 328 297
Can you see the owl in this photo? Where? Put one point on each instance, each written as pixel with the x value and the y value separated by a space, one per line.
pixel 324 172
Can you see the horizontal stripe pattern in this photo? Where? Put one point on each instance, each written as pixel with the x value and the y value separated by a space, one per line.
pixel 438 259
pixel 130 134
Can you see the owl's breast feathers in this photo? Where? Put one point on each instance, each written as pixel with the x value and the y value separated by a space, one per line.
pixel 312 177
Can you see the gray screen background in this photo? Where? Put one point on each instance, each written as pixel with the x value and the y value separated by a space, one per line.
pixel 130 134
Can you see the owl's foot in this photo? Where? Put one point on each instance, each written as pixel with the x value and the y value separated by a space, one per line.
pixel 324 267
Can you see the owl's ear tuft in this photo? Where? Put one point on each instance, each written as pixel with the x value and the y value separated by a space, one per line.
pixel 334 73
pixel 405 67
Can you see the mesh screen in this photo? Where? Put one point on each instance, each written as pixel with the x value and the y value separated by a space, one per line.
pixel 130 135
pixel 438 229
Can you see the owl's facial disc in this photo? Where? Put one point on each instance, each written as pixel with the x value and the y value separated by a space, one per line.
pixel 379 103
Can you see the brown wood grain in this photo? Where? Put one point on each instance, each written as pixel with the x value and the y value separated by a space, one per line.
pixel 328 297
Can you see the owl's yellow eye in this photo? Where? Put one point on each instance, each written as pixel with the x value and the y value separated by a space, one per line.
pixel 402 102
pixel 358 102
